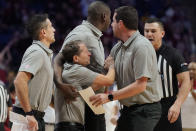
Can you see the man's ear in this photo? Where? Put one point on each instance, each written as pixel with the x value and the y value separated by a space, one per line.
pixel 103 17
pixel 75 59
pixel 163 33
pixel 121 24
pixel 42 33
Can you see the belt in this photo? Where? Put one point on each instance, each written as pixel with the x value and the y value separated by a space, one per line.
pixel 132 107
pixel 52 124
pixel 64 124
pixel 37 114
pixel 173 98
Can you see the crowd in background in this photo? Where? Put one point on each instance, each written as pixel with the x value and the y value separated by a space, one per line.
pixel 67 14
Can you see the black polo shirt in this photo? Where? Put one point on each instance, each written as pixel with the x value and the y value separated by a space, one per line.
pixel 170 63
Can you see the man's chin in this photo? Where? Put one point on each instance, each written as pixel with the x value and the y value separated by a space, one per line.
pixel 86 64
pixel 153 43
pixel 53 41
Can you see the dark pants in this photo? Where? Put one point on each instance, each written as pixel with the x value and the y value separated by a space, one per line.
pixel 37 114
pixel 69 126
pixel 164 124
pixel 2 126
pixel 94 122
pixel 139 117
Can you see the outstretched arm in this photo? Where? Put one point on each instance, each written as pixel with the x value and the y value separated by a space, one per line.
pixel 68 90
pixel 105 80
pixel 131 90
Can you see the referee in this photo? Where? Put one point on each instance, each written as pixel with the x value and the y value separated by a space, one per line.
pixel 175 78
pixel 5 103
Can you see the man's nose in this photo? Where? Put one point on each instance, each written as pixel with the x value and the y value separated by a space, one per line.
pixel 149 33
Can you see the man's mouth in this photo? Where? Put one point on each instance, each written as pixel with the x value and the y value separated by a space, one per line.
pixel 150 39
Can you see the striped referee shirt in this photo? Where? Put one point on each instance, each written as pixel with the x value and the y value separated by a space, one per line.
pixel 170 63
pixel 5 102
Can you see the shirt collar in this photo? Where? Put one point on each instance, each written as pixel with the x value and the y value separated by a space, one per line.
pixel 43 46
pixel 127 43
pixel 93 28
pixel 162 47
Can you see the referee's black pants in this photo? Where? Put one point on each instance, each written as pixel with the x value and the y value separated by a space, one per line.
pixel 2 126
pixel 94 122
pixel 164 124
pixel 139 117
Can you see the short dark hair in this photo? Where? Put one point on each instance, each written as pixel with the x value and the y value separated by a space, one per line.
pixel 95 10
pixel 35 24
pixel 70 49
pixel 155 20
pixel 128 15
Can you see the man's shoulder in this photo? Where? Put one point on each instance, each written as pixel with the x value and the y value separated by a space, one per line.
pixel 2 83
pixel 173 57
pixel 80 69
pixel 81 30
pixel 142 41
pixel 77 68
pixel 2 87
pixel 34 48
pixel 75 71
pixel 169 50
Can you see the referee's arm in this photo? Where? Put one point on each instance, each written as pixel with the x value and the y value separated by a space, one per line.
pixel 185 86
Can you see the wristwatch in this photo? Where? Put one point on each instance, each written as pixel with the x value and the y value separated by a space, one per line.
pixel 30 113
pixel 110 97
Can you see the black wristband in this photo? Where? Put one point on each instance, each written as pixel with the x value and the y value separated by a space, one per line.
pixel 30 113
pixel 110 97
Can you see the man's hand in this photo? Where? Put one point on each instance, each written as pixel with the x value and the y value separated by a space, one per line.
pixel 99 99
pixel 109 62
pixel 32 123
pixel 173 113
pixel 70 93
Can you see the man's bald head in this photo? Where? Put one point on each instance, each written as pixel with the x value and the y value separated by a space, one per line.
pixel 96 10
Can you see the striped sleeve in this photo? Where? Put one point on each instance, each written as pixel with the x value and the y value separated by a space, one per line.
pixel 3 103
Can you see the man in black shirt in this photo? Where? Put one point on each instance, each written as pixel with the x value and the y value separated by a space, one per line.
pixel 174 74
